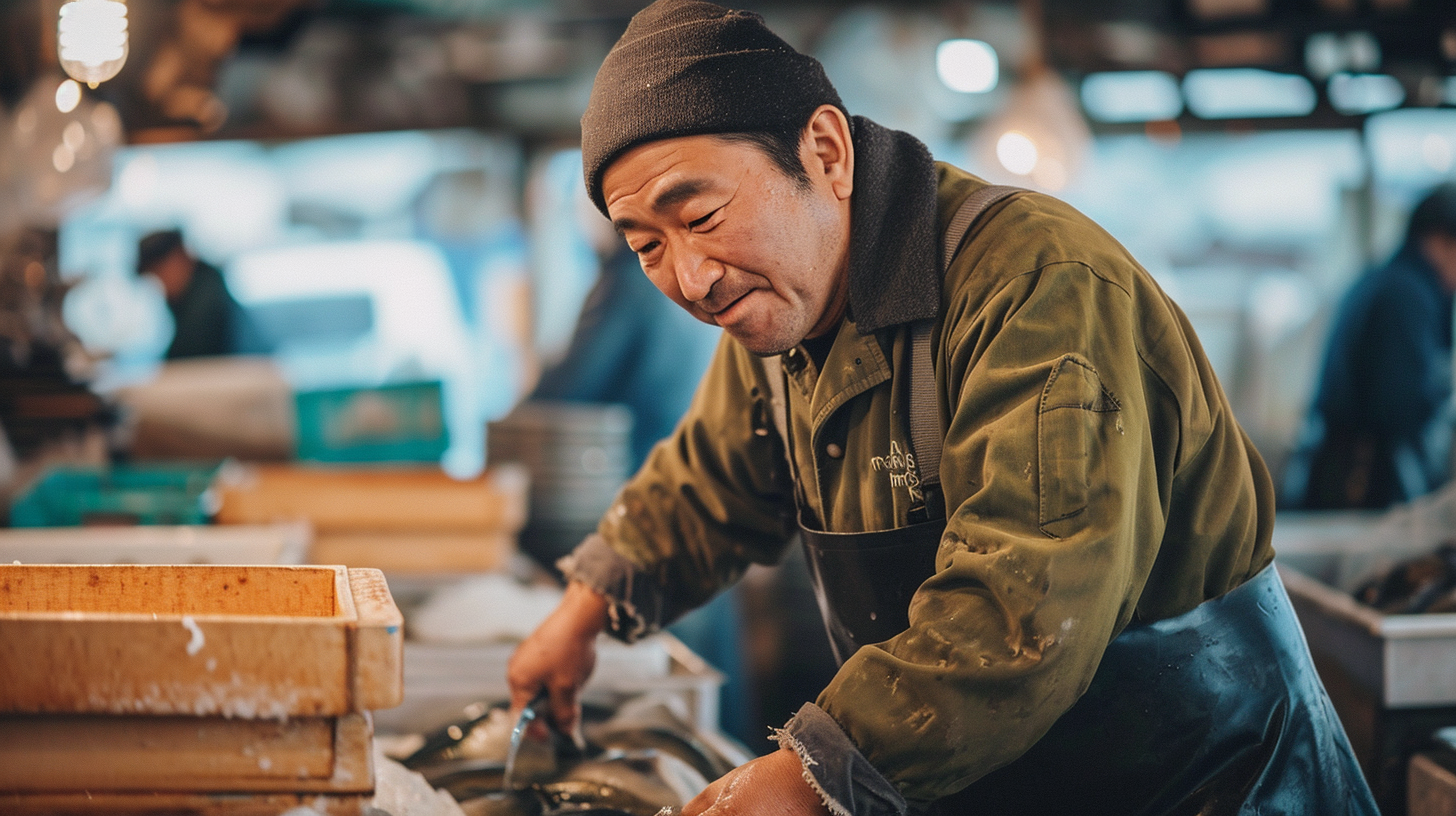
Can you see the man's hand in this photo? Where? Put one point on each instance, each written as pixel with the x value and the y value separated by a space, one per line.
pixel 772 784
pixel 559 656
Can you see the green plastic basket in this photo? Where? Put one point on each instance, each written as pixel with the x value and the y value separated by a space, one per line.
pixel 134 494
pixel 403 422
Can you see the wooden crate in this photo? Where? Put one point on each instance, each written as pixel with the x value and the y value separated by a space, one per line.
pixel 128 754
pixel 159 544
pixel 182 804
pixel 415 553
pixel 1432 787
pixel 374 500
pixel 232 641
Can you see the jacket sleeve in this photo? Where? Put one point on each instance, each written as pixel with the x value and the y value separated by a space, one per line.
pixel 1054 516
pixel 710 499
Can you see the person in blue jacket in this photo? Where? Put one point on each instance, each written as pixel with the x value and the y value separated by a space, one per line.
pixel 1379 429
pixel 634 347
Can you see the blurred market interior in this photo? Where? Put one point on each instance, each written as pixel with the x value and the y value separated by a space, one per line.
pixel 391 188
pixel 390 183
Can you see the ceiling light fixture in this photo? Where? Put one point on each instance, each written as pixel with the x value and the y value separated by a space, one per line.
pixel 92 39
pixel 1132 96
pixel 1356 94
pixel 1239 93
pixel 967 66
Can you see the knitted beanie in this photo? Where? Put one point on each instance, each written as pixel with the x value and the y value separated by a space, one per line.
pixel 687 67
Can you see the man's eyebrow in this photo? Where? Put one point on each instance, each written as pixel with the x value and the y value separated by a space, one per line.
pixel 676 194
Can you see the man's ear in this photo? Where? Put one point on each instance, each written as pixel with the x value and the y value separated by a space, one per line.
pixel 829 151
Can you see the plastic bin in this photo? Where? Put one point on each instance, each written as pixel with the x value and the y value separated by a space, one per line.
pixel 152 494
pixel 403 422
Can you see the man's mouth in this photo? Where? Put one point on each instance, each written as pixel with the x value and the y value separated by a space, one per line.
pixel 715 305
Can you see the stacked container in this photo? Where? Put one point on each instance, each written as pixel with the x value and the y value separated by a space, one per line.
pixel 193 689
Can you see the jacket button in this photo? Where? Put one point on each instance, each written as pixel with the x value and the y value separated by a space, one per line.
pixel 833 450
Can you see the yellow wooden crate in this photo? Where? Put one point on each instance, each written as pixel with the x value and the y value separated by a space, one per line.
pixel 250 642
pixel 58 754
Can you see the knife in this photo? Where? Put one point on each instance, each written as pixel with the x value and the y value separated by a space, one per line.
pixel 518 736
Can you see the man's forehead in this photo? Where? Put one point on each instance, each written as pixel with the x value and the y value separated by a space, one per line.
pixel 662 174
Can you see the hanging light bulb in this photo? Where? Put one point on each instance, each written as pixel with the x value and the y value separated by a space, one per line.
pixel 1039 138
pixel 92 39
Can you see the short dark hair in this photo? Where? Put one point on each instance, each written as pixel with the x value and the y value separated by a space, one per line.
pixel 1436 213
pixel 781 146
pixel 156 246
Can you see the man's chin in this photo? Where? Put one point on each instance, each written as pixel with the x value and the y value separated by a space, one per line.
pixel 761 345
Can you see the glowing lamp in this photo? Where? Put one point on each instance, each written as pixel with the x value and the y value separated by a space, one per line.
pixel 92 39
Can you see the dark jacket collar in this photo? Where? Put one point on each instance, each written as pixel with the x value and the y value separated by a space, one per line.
pixel 894 244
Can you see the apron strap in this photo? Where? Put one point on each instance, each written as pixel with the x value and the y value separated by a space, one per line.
pixel 927 433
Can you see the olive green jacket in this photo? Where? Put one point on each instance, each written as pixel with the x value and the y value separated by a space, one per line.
pixel 1092 468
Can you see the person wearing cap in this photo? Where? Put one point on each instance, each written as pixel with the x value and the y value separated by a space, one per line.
pixel 1379 430
pixel 1039 538
pixel 204 313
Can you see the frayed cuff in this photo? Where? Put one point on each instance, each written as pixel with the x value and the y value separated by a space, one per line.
pixel 635 602
pixel 836 770
pixel 846 782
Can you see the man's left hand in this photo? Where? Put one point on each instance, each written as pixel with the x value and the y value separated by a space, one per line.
pixel 772 784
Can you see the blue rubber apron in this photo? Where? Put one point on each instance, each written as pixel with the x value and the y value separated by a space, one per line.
pixel 1216 711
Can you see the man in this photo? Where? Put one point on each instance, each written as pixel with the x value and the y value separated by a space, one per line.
pixel 1072 611
pixel 204 312
pixel 1380 428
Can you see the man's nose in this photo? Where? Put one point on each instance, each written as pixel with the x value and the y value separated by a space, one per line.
pixel 696 273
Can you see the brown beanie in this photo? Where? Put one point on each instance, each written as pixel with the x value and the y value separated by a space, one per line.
pixel 686 67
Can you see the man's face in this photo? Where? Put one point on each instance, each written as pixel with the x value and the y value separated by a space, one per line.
pixel 1440 250
pixel 721 230
pixel 174 271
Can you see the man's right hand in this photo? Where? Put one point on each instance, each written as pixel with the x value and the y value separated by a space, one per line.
pixel 559 656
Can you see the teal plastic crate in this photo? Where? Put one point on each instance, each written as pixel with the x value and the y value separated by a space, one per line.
pixel 403 422
pixel 135 494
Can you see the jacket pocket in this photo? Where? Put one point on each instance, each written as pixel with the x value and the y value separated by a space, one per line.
pixel 1074 406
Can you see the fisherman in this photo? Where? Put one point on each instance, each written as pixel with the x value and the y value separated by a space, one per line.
pixel 1039 539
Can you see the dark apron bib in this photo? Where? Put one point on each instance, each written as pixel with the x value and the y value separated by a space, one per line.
pixel 863 581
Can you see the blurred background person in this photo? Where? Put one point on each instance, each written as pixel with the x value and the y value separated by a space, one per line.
pixel 631 345
pixel 1379 431
pixel 208 321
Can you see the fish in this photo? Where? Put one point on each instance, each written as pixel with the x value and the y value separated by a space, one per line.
pixel 1423 584
pixel 638 761
pixel 502 803
pixel 651 723
pixel 484 734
